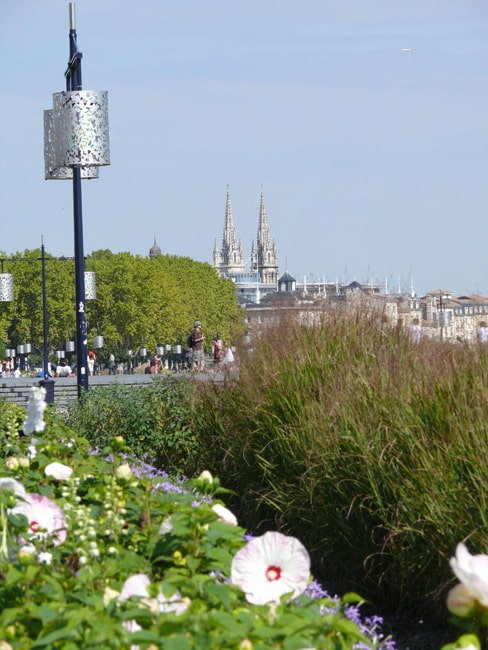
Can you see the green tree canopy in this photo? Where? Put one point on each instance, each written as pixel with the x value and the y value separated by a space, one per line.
pixel 138 300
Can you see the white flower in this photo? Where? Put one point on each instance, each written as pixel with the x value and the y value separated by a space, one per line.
pixel 472 571
pixel 123 472
pixel 166 527
pixel 109 594
pixel 35 411
pixel 45 557
pixel 45 518
pixel 137 585
pixel 12 463
pixel 270 566
pixel 19 493
pixel 224 514
pixel 58 471
pixel 32 450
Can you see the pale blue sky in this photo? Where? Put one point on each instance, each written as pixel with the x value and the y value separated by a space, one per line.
pixel 373 160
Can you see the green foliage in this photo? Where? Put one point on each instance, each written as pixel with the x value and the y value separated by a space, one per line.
pixel 138 299
pixel 66 595
pixel 11 419
pixel 372 447
pixel 154 419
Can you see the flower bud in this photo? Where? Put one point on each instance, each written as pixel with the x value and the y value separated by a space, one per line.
pixel 123 472
pixel 245 644
pixel 27 555
pixel 206 477
pixel 4 645
pixel 467 642
pixel 12 464
pixel 460 602
pixel 24 463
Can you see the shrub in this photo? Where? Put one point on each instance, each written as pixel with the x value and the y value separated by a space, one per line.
pixel 102 552
pixel 154 419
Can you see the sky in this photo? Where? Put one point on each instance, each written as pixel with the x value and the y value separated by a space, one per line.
pixel 363 122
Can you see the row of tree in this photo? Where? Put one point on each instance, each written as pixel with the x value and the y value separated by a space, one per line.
pixel 140 301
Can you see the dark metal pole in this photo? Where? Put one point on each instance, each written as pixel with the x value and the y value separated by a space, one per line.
pixel 73 82
pixel 44 314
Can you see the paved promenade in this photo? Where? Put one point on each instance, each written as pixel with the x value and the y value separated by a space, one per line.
pixel 66 388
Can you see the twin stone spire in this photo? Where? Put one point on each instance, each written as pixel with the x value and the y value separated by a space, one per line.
pixel 229 260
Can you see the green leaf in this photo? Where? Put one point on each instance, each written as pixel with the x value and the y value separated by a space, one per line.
pixel 64 634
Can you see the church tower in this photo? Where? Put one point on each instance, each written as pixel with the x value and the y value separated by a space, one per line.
pixel 264 256
pixel 229 260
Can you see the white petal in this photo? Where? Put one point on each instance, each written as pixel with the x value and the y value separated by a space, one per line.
pixel 58 471
pixel 135 585
pixel 224 514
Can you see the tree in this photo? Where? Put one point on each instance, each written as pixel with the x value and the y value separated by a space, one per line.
pixel 138 300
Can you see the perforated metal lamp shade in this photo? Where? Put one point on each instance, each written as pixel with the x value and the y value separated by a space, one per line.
pixel 6 287
pixel 51 171
pixel 98 342
pixel 80 134
pixel 90 285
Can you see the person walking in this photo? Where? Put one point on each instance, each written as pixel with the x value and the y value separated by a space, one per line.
pixel 228 357
pixel 198 349
pixel 217 350
pixel 111 364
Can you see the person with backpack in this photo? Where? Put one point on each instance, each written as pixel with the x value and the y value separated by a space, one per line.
pixel 197 347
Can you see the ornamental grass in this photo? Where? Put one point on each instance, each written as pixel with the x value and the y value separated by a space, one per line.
pixel 368 446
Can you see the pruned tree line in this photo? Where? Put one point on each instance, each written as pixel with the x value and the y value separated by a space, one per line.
pixel 139 301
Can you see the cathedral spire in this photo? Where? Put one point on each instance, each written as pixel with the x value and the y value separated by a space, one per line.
pixel 229 229
pixel 230 259
pixel 263 226
pixel 264 256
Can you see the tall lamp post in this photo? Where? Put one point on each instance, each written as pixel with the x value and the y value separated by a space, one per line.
pixel 76 143
pixel 7 295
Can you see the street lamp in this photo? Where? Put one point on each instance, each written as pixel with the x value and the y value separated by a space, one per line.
pixel 130 369
pixel 76 143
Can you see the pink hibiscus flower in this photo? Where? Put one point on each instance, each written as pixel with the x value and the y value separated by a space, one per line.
pixel 46 519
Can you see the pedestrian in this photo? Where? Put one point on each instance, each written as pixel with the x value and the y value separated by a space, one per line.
pixel 91 362
pixel 64 370
pixel 217 349
pixel 229 358
pixel 154 367
pixel 483 332
pixel 197 348
pixel 111 364
pixel 416 331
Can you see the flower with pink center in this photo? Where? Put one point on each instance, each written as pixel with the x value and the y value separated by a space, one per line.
pixel 472 572
pixel 271 566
